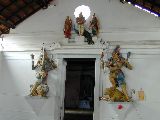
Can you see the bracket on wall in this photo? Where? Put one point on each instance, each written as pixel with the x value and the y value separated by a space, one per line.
pixel 122 109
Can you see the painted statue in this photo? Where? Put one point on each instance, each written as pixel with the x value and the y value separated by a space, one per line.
pixel 114 95
pixel 43 66
pixel 94 25
pixel 67 27
pixel 80 22
pixel 116 75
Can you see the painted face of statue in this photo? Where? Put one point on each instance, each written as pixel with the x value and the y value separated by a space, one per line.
pixel 116 54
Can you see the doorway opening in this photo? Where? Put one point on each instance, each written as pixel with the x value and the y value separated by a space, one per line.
pixel 79 89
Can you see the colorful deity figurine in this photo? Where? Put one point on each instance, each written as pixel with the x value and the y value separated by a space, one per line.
pixel 116 75
pixel 43 66
pixel 67 27
pixel 80 22
pixel 94 25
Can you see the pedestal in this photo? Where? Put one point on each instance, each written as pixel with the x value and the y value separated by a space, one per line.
pixel 80 40
pixel 65 41
pixel 95 39
pixel 36 103
pixel 122 109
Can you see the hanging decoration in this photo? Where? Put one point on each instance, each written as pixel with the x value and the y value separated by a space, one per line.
pixel 117 92
pixel 43 66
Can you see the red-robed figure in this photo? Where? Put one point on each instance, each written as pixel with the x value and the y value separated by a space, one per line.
pixel 67 27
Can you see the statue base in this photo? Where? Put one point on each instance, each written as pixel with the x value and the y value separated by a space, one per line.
pixel 65 41
pixel 78 40
pixel 122 109
pixel 95 39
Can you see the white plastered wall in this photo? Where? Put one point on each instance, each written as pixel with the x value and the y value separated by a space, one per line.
pixel 16 79
pixel 120 23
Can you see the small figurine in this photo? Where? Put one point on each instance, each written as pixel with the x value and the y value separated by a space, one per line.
pixel 94 25
pixel 80 21
pixel 67 27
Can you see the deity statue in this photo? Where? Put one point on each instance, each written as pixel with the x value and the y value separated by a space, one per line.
pixel 94 25
pixel 67 27
pixel 114 95
pixel 116 75
pixel 43 66
pixel 80 22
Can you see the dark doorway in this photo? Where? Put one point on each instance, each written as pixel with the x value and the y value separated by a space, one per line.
pixel 79 89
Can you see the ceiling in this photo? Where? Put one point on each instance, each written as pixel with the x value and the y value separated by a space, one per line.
pixel 151 5
pixel 13 12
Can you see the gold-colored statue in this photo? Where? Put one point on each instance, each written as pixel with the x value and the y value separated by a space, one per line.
pixel 80 21
pixel 116 75
pixel 114 95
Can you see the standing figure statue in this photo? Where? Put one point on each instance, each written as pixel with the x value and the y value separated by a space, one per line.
pixel 94 25
pixel 43 66
pixel 116 75
pixel 67 27
pixel 80 22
